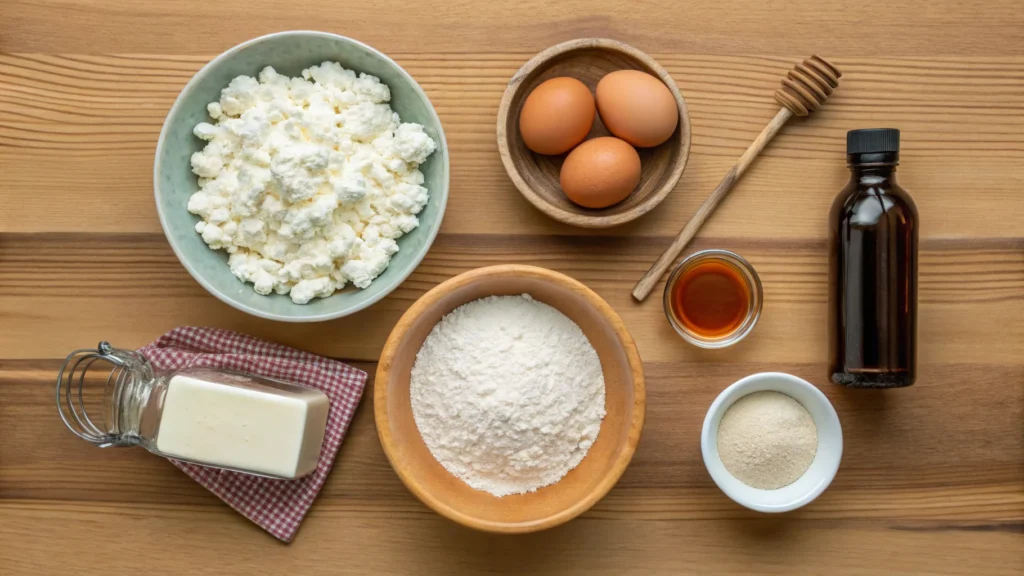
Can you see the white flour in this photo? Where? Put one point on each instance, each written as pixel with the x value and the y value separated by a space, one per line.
pixel 508 394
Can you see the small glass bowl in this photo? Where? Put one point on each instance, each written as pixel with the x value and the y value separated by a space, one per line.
pixel 753 285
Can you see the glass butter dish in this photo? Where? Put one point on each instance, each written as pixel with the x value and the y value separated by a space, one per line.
pixel 207 416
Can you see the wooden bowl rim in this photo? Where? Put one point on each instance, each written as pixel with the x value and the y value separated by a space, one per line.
pixel 584 220
pixel 382 417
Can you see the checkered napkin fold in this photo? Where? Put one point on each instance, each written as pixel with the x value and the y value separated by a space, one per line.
pixel 277 506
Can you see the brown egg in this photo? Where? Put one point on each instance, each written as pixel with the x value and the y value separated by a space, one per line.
pixel 637 107
pixel 600 172
pixel 556 116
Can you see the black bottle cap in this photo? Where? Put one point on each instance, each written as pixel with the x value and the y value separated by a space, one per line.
pixel 872 140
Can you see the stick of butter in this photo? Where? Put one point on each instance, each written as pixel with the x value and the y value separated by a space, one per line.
pixel 243 423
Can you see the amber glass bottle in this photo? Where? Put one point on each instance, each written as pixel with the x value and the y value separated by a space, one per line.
pixel 873 234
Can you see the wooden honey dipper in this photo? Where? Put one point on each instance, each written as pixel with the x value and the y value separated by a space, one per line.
pixel 804 89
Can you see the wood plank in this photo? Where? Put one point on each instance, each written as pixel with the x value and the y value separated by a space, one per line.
pixel 92 122
pixel 221 543
pixel 903 465
pixel 801 27
pixel 78 289
pixel 901 485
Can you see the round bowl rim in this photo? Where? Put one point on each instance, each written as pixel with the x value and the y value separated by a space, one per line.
pixel 757 296
pixel 748 497
pixel 573 218
pixel 179 253
pixel 619 465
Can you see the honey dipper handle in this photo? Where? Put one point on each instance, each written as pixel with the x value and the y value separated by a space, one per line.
pixel 646 284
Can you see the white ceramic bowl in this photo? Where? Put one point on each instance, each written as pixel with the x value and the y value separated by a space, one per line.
pixel 822 469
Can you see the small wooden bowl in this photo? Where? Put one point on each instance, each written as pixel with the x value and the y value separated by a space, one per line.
pixel 536 175
pixel 549 506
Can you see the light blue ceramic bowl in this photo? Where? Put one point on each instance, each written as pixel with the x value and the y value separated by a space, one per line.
pixel 289 53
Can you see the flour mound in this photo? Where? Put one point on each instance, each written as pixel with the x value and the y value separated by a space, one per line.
pixel 508 394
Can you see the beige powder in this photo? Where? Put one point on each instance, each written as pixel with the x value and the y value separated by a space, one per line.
pixel 767 440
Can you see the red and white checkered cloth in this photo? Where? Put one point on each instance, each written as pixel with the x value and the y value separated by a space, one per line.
pixel 278 506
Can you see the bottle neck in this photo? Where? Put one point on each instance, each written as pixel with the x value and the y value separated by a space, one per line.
pixel 106 396
pixel 873 167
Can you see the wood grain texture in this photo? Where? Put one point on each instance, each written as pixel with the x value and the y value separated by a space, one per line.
pixel 650 279
pixel 932 480
pixel 804 89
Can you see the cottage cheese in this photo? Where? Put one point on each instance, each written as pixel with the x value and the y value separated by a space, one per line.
pixel 307 182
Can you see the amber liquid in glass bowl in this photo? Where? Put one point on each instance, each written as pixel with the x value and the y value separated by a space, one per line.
pixel 713 298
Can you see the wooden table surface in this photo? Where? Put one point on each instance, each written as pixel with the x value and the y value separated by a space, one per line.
pixel 932 479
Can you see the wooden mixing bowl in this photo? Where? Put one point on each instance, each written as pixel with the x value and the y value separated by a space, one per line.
pixel 536 175
pixel 580 488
